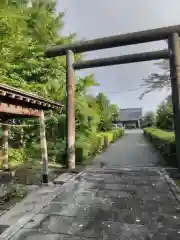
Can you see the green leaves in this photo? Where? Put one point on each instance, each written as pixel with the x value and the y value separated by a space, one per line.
pixel 25 31
pixel 107 112
pixel 149 119
pixel 164 118
pixel 157 81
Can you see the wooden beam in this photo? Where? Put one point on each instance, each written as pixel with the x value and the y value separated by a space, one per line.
pixel 26 99
pixel 19 97
pixel 132 58
pixel 11 95
pixel 2 93
pixel 32 101
pixel 70 111
pixel 43 147
pixel 7 93
pixel 5 144
pixel 18 110
pixel 174 49
pixel 126 39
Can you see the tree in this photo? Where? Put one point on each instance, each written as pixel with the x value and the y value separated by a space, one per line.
pixel 157 81
pixel 149 119
pixel 86 107
pixel 27 28
pixel 12 38
pixel 105 112
pixel 26 31
pixel 164 117
pixel 115 112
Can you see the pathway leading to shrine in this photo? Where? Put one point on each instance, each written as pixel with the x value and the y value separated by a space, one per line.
pixel 130 197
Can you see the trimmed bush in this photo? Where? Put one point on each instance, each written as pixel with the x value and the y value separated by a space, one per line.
pixel 87 147
pixel 160 134
pixel 164 141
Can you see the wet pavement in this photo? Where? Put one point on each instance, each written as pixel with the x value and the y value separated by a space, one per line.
pixel 113 202
pixel 133 150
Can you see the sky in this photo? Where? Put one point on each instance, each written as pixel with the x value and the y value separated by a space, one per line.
pixel 100 18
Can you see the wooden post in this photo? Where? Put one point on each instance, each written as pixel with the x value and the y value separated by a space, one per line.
pixel 43 148
pixel 5 144
pixel 174 48
pixel 70 111
pixel 22 136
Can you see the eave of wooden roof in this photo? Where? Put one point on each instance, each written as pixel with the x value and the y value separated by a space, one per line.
pixel 13 111
pixel 11 95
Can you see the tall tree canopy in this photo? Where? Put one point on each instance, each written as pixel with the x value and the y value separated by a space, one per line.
pixel 27 28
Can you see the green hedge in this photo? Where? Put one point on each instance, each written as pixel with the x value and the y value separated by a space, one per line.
pixel 86 147
pixel 164 141
pixel 90 146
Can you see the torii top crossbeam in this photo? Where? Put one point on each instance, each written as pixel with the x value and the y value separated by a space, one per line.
pixel 114 41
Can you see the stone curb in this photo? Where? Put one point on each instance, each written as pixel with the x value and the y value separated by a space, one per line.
pixel 174 188
pixel 63 178
pixel 13 229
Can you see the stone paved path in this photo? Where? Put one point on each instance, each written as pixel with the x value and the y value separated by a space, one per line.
pixel 131 151
pixel 111 202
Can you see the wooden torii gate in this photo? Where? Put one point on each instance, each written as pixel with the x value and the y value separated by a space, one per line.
pixel 171 34
pixel 15 103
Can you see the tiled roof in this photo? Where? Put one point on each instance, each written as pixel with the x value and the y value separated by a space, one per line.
pixel 130 114
pixel 11 95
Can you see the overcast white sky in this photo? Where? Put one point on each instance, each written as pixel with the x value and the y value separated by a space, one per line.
pixel 97 18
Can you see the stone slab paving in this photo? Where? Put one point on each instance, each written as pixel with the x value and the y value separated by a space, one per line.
pixel 131 197
pixel 111 204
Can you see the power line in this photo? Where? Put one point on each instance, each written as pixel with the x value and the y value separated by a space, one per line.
pixel 124 91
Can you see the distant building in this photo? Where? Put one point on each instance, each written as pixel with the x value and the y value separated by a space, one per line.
pixel 131 117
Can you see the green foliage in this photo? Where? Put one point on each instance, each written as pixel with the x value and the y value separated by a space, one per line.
pixel 16 156
pixel 157 81
pixel 18 191
pixel 164 142
pixel 115 112
pixel 25 31
pixel 56 150
pixel 160 134
pixel 107 112
pixel 149 119
pixel 86 147
pixel 164 117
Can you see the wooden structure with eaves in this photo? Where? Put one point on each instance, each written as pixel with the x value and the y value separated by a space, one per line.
pixel 15 103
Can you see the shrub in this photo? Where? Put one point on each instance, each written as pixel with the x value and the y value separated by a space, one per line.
pixel 83 148
pixel 164 141
pixel 56 151
pixel 160 134
pixel 164 118
pixel 88 146
pixel 16 156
